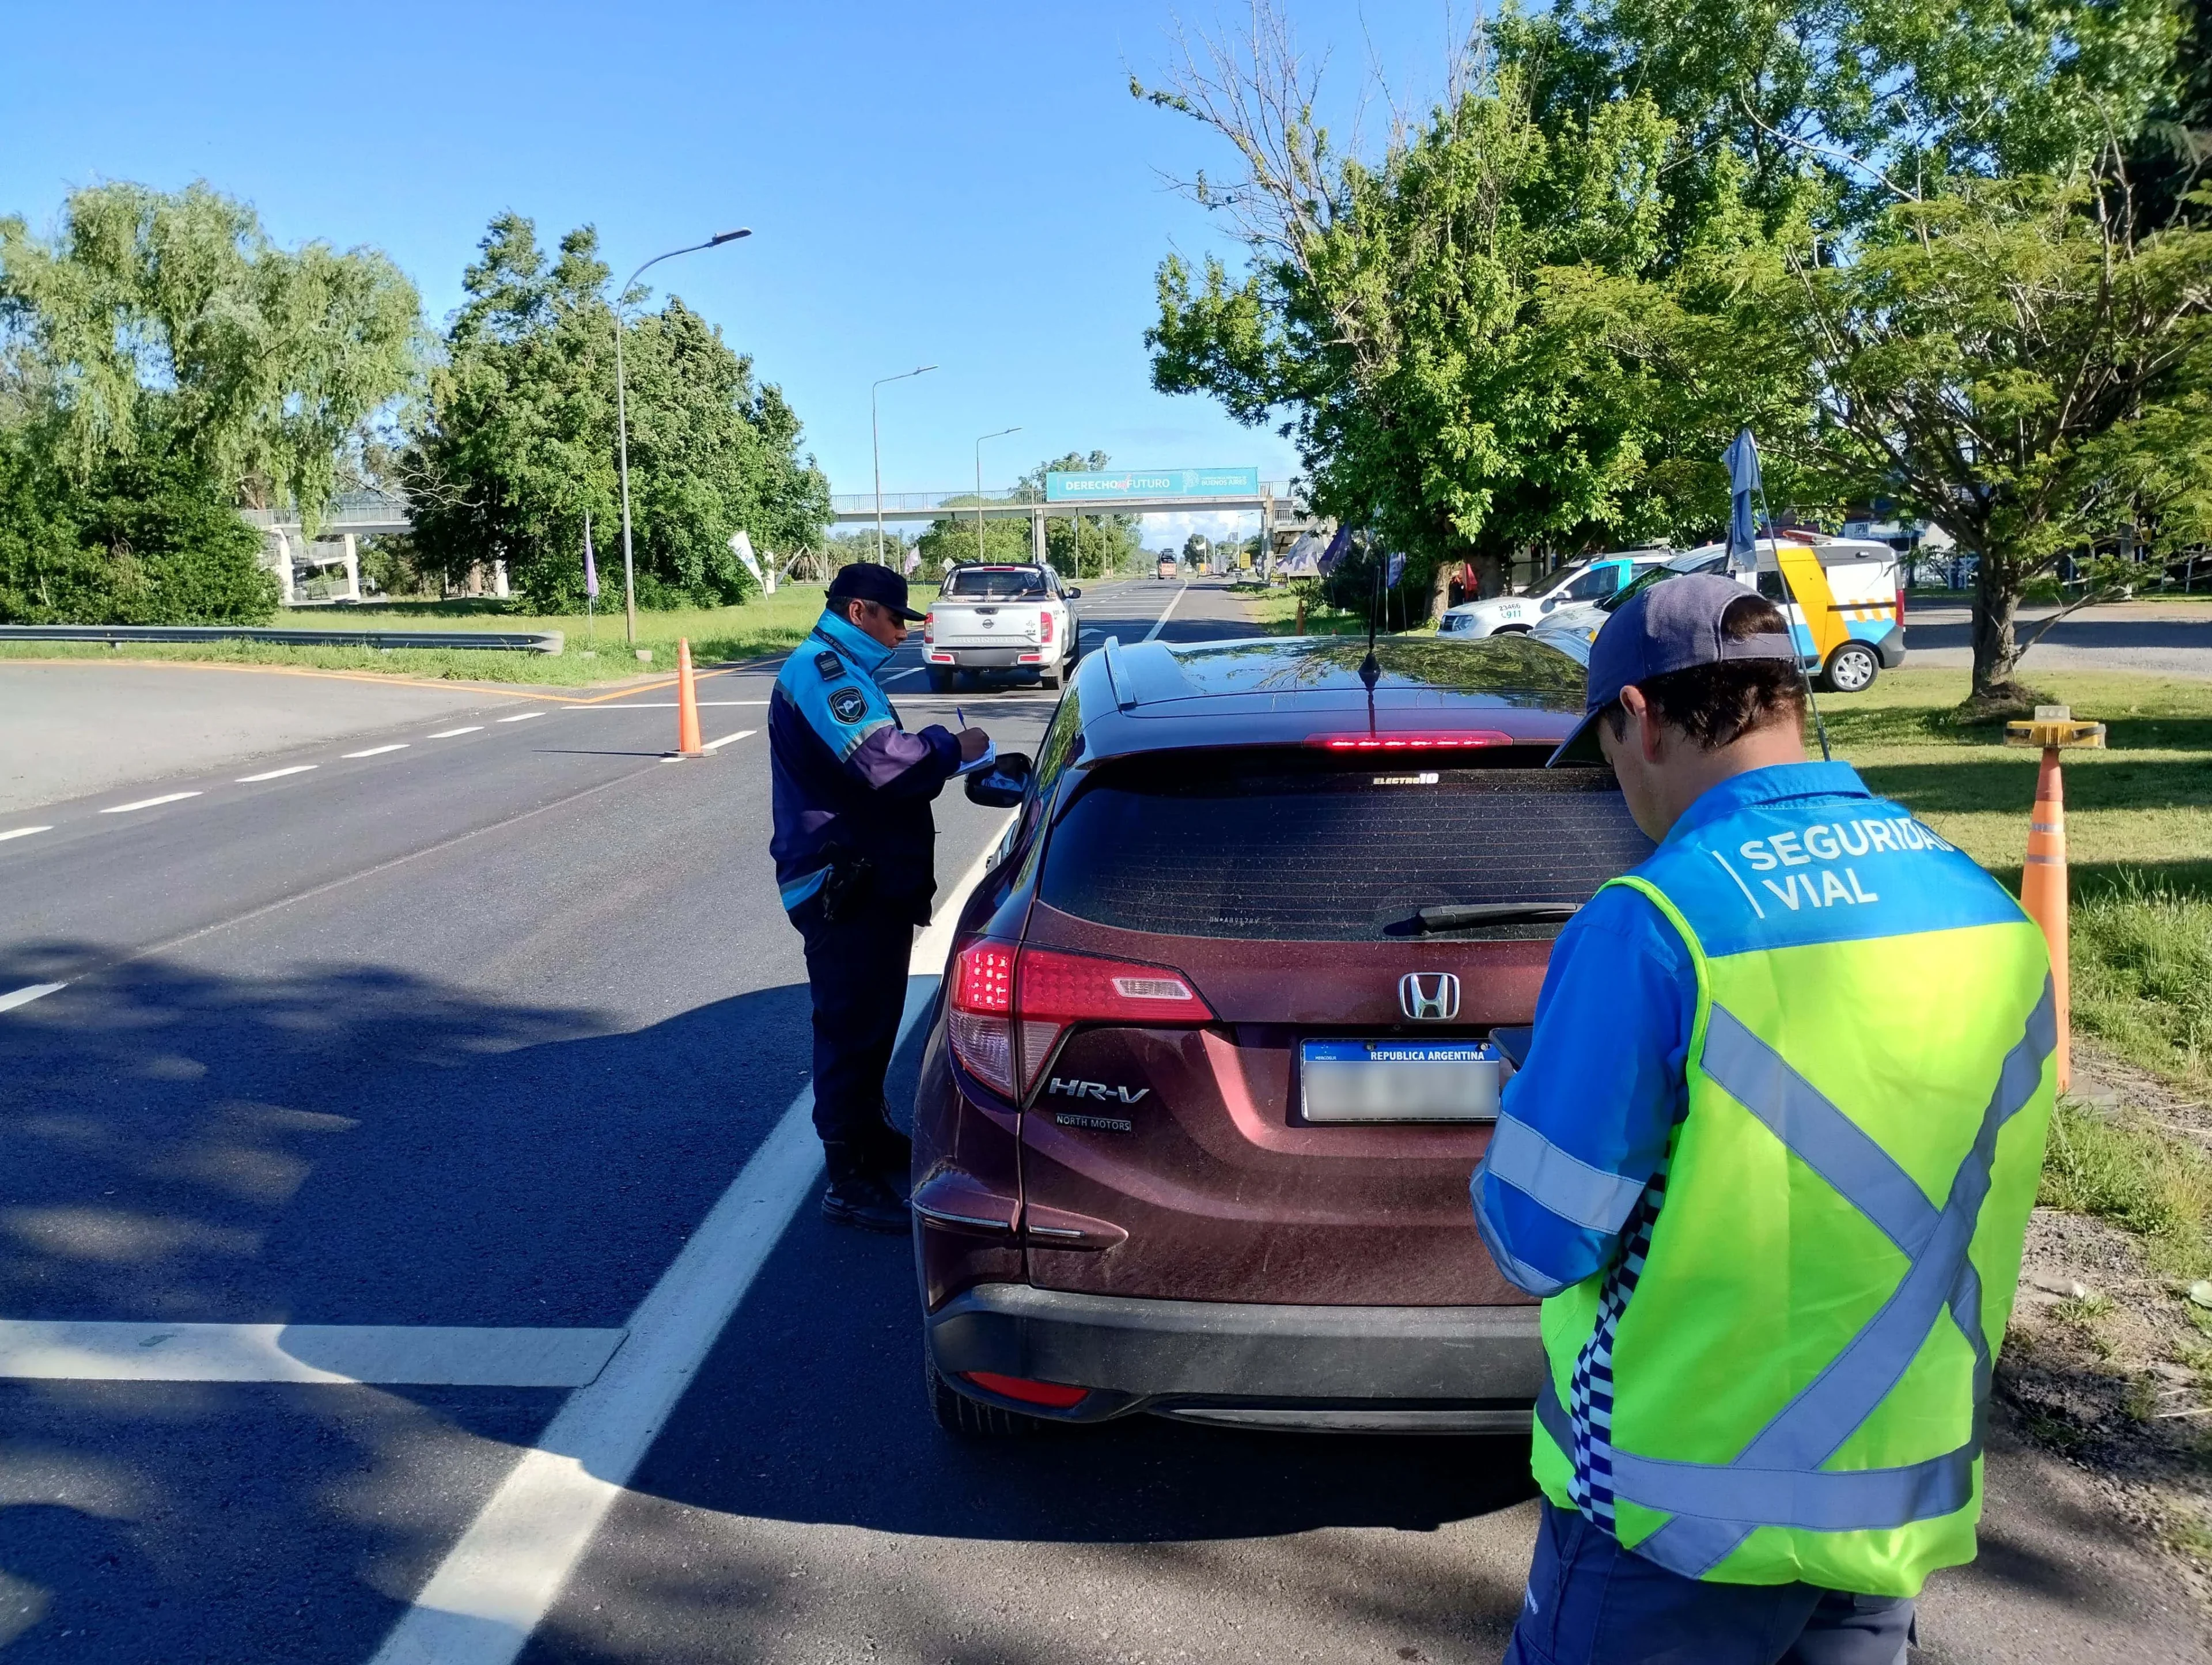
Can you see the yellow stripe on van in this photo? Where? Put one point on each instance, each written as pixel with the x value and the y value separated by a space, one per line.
pixel 1808 587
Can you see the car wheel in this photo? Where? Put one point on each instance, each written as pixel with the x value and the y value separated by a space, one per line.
pixel 1850 669
pixel 1511 630
pixel 970 1418
pixel 940 682
pixel 1048 678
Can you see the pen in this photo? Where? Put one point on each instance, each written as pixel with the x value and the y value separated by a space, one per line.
pixel 959 716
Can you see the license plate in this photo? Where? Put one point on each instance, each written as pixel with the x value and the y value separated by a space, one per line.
pixel 1399 1080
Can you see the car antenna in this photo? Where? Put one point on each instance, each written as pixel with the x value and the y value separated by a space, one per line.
pixel 1370 668
pixel 1789 590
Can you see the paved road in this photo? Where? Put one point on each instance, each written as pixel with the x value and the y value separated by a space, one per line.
pixel 475 1034
pixel 2170 639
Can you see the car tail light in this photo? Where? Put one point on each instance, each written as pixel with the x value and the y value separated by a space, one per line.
pixel 1008 1000
pixel 1458 740
pixel 1057 1395
pixel 1044 624
pixel 1900 600
pixel 980 1024
pixel 929 628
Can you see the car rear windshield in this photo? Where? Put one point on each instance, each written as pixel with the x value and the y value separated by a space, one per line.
pixel 994 583
pixel 1295 848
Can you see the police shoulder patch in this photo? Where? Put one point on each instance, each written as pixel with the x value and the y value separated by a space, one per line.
pixel 848 705
pixel 830 666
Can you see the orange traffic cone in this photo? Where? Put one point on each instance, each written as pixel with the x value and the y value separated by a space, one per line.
pixel 2042 894
pixel 686 704
pixel 2043 879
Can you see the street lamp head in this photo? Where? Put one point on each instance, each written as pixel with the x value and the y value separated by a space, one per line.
pixel 720 238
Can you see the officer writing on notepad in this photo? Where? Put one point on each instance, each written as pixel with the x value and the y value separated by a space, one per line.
pixel 853 846
pixel 1773 1203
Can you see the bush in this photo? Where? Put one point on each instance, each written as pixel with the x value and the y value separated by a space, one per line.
pixel 150 540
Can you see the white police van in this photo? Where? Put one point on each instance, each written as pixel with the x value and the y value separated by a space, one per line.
pixel 1844 599
pixel 1585 582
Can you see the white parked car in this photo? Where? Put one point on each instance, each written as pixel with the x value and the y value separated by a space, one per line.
pixel 1852 587
pixel 1586 581
pixel 1012 619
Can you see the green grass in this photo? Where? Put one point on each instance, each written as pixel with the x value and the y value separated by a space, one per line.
pixel 767 624
pixel 2158 1187
pixel 1276 612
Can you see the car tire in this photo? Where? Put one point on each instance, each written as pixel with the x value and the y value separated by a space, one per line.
pixel 1851 669
pixel 1511 630
pixel 940 682
pixel 970 1418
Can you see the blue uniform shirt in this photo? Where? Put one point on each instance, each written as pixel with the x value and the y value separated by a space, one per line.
pixel 1587 1120
pixel 850 783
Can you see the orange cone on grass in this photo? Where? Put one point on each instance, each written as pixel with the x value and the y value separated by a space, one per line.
pixel 2043 877
pixel 686 704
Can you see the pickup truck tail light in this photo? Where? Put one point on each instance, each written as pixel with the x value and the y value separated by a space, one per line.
pixel 928 629
pixel 1044 624
pixel 1009 1005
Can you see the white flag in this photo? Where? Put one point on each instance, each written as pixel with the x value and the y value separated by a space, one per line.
pixel 913 561
pixel 742 547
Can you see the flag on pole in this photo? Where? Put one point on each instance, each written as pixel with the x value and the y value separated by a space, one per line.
pixel 1742 459
pixel 742 547
pixel 913 561
pixel 1397 570
pixel 590 568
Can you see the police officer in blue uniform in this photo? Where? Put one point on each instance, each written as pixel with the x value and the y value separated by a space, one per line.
pixel 853 845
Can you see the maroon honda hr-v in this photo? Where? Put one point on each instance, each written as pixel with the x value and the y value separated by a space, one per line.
pixel 1213 1059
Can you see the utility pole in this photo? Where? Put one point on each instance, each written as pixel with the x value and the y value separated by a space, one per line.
pixel 622 417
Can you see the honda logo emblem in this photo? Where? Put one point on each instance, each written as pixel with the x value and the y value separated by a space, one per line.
pixel 1431 997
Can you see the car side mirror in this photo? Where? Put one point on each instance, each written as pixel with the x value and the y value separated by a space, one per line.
pixel 1073 594
pixel 1002 786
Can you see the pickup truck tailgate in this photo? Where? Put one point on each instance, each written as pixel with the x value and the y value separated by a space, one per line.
pixel 983 624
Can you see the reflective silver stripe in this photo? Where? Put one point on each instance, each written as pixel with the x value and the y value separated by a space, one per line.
pixel 1557 1180
pixel 1518 1272
pixel 1777 1479
pixel 1829 1142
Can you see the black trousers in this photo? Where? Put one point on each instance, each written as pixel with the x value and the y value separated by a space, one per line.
pixel 856 971
pixel 1591 1602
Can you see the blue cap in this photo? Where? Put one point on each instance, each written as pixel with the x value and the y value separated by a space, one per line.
pixel 1671 625
pixel 868 580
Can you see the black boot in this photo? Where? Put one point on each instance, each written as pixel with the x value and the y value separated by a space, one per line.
pixel 859 1195
pixel 890 1152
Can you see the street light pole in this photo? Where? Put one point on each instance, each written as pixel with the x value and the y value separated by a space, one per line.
pixel 876 435
pixel 1001 434
pixel 622 418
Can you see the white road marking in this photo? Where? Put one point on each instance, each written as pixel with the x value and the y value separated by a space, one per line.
pixel 377 751
pixel 148 803
pixel 911 671
pixel 448 733
pixel 1166 612
pixel 22 832
pixel 50 1351
pixel 521 717
pixel 276 774
pixel 497 1583
pixel 714 745
pixel 27 993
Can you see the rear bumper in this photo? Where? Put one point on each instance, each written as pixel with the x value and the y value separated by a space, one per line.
pixel 1375 1369
pixel 1891 648
pixel 1029 657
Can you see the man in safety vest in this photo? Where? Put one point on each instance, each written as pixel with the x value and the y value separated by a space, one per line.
pixel 1769 1161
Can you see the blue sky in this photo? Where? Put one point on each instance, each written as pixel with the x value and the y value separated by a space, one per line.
pixel 969 185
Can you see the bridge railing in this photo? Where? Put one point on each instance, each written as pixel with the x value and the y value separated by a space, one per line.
pixel 347 511
pixel 908 503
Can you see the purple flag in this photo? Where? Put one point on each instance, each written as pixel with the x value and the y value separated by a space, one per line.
pixel 590 568
pixel 1397 570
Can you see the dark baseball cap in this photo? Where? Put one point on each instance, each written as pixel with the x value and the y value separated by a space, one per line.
pixel 1671 625
pixel 867 580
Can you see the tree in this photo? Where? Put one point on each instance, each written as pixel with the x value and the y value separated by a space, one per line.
pixel 517 443
pixel 171 323
pixel 1442 329
pixel 2013 363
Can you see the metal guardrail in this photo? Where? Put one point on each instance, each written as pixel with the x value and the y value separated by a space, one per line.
pixel 512 641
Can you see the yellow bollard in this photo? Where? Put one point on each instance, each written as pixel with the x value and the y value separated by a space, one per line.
pixel 2043 878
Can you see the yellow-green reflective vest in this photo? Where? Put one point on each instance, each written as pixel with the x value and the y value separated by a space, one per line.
pixel 1783 1377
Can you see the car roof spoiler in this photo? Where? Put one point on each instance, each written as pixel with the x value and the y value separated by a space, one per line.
pixel 1117 676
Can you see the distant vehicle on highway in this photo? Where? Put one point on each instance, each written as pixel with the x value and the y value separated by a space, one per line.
pixel 1585 581
pixel 1007 619
pixel 1853 588
pixel 1197 1112
pixel 1167 567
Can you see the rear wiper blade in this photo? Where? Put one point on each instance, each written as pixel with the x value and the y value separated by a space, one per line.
pixel 1462 915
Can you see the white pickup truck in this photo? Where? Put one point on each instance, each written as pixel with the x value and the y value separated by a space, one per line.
pixel 1010 619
